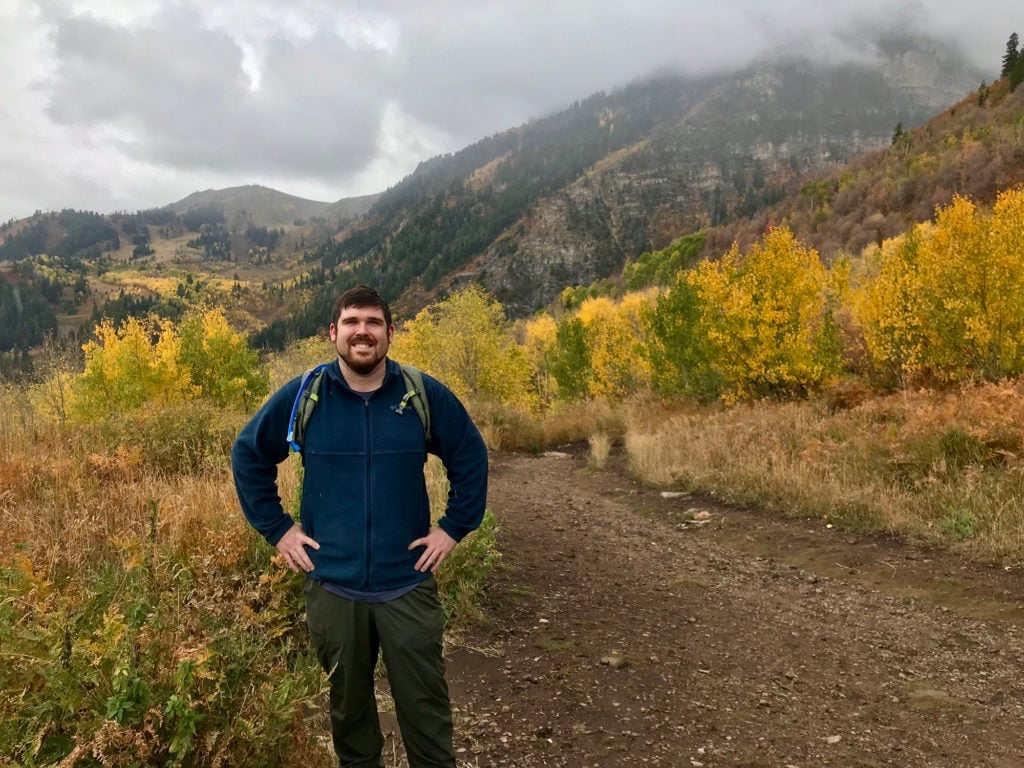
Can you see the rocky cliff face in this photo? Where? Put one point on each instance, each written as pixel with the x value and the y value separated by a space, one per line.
pixel 746 144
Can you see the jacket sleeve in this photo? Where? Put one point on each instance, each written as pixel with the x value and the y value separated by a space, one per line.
pixel 457 442
pixel 260 447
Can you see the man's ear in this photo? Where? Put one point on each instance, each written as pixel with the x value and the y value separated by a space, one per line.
pixel 391 333
pixel 332 331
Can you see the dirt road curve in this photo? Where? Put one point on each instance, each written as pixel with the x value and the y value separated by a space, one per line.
pixel 623 636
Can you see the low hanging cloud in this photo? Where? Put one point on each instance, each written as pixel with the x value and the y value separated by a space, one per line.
pixel 111 104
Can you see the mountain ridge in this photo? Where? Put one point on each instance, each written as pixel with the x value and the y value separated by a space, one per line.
pixel 265 206
pixel 560 201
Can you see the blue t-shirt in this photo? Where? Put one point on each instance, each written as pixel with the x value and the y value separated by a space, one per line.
pixel 358 596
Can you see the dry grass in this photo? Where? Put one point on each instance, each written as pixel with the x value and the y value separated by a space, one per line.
pixel 297 359
pixel 600 450
pixel 68 512
pixel 944 468
pixel 507 429
pixel 21 427
pixel 575 423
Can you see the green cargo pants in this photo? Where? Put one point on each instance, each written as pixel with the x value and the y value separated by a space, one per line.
pixel 408 631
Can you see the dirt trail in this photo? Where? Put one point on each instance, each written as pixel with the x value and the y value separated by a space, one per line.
pixel 621 635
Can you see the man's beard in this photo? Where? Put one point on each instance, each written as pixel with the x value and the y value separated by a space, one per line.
pixel 362 366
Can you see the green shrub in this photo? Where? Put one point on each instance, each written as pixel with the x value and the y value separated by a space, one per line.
pixel 187 437
pixel 461 578
pixel 959 523
pixel 144 663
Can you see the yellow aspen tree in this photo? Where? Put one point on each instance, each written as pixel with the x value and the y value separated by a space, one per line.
pixel 219 360
pixel 957 281
pixel 615 335
pixel 945 302
pixel 128 367
pixel 464 340
pixel 887 304
pixel 1003 303
pixel 539 342
pixel 767 316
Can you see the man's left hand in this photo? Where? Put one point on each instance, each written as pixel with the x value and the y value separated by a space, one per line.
pixel 438 544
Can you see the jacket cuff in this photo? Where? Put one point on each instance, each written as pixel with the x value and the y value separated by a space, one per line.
pixel 457 532
pixel 279 531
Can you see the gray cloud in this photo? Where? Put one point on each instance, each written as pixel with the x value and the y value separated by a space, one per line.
pixel 130 104
pixel 315 113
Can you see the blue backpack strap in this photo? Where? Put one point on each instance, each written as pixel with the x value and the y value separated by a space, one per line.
pixel 305 401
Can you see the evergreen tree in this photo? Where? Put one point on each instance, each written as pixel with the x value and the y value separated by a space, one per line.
pixel 1012 55
pixel 1017 75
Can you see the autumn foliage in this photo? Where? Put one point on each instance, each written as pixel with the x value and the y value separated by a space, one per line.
pixel 945 301
pixel 464 341
pixel 941 304
pixel 141 621
pixel 151 364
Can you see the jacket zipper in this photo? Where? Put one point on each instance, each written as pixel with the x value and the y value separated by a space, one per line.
pixel 367 505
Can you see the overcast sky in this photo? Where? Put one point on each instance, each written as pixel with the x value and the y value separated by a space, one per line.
pixel 125 104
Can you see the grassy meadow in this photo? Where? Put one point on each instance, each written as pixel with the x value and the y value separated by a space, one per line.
pixel 937 468
pixel 141 621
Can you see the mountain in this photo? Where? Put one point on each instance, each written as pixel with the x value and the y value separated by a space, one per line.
pixel 571 198
pixel 975 149
pixel 563 200
pixel 265 207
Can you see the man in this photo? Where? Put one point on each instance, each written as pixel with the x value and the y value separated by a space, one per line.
pixel 366 543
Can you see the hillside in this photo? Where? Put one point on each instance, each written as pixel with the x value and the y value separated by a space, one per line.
pixel 570 198
pixel 563 200
pixel 973 149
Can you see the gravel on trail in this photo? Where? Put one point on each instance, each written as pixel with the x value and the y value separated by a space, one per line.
pixel 631 628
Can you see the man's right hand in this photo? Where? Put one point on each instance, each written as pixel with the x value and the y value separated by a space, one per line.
pixel 292 547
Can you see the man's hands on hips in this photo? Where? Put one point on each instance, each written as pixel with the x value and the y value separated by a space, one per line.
pixel 438 544
pixel 292 547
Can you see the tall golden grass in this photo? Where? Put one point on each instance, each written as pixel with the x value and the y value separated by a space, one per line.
pixel 600 450
pixel 142 622
pixel 942 468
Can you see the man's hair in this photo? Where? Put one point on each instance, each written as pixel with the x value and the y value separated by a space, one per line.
pixel 361 296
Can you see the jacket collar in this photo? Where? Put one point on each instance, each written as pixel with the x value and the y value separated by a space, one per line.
pixel 392 369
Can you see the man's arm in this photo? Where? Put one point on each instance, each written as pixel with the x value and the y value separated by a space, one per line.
pixel 260 447
pixel 458 443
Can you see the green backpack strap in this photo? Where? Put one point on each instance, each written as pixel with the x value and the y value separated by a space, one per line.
pixel 416 396
pixel 309 395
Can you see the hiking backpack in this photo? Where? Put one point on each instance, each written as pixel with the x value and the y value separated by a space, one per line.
pixel 309 395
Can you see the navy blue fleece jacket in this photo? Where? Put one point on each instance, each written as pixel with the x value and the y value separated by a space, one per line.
pixel 364 496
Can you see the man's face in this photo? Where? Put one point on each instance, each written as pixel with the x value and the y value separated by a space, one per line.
pixel 361 338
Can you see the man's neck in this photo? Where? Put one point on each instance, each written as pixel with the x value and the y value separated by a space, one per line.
pixel 360 382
